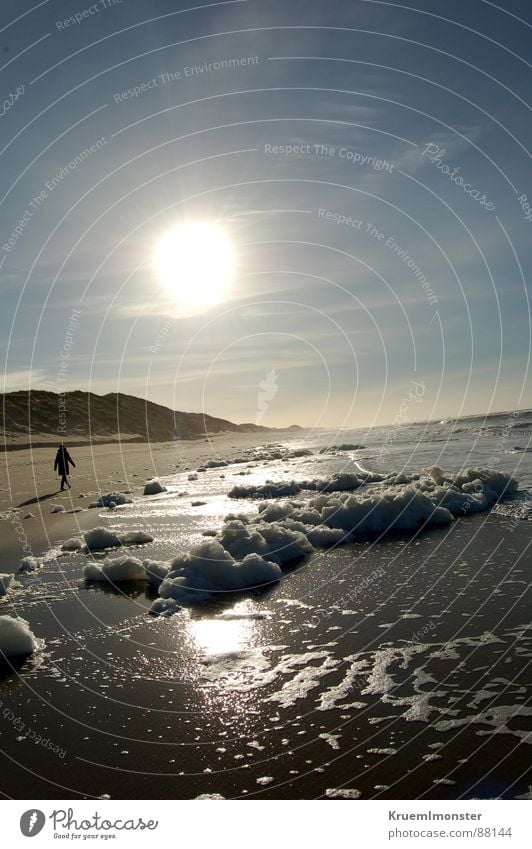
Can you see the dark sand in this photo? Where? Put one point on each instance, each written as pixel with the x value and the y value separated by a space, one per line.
pixel 144 707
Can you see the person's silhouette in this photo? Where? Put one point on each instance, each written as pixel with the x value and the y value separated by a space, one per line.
pixel 62 461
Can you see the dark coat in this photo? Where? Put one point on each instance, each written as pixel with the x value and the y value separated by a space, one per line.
pixel 62 459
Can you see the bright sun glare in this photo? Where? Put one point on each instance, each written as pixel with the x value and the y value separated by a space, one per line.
pixel 196 262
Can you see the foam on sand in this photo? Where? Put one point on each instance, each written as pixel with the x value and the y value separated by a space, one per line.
pixel 209 569
pixel 265 779
pixel 248 551
pixel 116 570
pixel 527 795
pixel 212 797
pixel 341 482
pixel 111 499
pixel 71 544
pixel 342 793
pixel 371 514
pixel 7 583
pixel 214 464
pixel 135 538
pixel 16 638
pixel 270 489
pixel 30 564
pixel 156 571
pixel 420 503
pixel 100 538
pixel 271 541
pixel 344 446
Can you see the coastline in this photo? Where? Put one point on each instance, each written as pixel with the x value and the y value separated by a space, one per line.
pixel 31 485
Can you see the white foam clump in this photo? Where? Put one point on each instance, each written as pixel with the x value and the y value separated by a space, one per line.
pixel 116 499
pixel 364 515
pixel 154 487
pixel 115 570
pixel 341 482
pixel 468 491
pixel 135 538
pixel 344 446
pixel 526 795
pixel 16 637
pixel 156 571
pixel 209 569
pixel 213 464
pixel 213 797
pixel 249 551
pixel 271 541
pixel 72 544
pixel 100 538
pixel 342 793
pixel 30 564
pixel 270 489
pixel 421 503
pixel 7 583
pixel 318 536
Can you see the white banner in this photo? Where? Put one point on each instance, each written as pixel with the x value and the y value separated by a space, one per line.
pixel 308 824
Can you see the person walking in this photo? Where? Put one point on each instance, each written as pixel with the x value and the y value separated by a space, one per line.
pixel 62 461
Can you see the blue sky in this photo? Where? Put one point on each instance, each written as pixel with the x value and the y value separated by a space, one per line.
pixel 384 102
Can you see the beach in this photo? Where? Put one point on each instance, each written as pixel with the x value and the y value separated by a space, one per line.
pixel 393 665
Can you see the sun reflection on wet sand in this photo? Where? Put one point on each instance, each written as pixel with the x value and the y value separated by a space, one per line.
pixel 229 633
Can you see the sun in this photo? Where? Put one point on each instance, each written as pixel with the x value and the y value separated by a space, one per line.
pixel 196 262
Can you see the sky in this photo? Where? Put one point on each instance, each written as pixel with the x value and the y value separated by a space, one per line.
pixel 366 161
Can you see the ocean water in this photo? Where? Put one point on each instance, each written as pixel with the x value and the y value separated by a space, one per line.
pixel 390 667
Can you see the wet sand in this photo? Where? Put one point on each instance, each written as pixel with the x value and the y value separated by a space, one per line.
pixel 395 670
pixel 29 485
